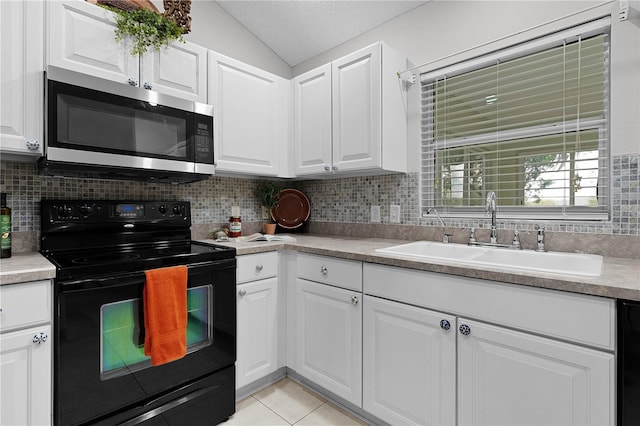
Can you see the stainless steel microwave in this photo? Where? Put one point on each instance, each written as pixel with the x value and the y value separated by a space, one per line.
pixel 96 128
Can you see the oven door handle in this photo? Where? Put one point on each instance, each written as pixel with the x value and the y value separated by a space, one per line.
pixel 133 278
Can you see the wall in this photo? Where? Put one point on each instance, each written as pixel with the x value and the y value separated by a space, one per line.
pixel 213 28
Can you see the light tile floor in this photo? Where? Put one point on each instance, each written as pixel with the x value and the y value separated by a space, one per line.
pixel 288 403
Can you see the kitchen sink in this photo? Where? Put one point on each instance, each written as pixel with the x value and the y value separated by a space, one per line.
pixel 528 260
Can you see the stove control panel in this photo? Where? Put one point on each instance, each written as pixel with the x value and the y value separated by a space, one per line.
pixel 105 211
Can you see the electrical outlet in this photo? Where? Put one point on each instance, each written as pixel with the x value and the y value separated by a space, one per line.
pixel 375 214
pixel 394 213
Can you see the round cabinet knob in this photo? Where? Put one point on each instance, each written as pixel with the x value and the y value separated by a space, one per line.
pixel 323 270
pixel 354 300
pixel 259 267
pixel 445 325
pixel 242 292
pixel 33 145
pixel 465 330
pixel 148 85
pixel 132 82
pixel 327 168
pixel 40 338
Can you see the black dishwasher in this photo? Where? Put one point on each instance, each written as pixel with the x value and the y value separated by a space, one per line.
pixel 628 363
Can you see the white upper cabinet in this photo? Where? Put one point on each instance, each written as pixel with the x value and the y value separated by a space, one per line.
pixel 22 79
pixel 312 118
pixel 251 108
pixel 82 40
pixel 350 115
pixel 179 70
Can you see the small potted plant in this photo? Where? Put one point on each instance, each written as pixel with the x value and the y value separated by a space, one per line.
pixel 268 194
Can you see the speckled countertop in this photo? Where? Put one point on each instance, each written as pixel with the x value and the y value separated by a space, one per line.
pixel 620 278
pixel 25 267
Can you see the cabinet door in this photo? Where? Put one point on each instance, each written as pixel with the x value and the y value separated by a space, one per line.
pixel 507 377
pixel 21 77
pixel 178 70
pixel 409 364
pixel 250 116
pixel 257 339
pixel 329 338
pixel 25 369
pixel 312 121
pixel 81 38
pixel 357 110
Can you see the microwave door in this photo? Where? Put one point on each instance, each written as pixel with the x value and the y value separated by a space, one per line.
pixel 91 127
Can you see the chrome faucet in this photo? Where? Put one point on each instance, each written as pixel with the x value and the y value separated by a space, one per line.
pixel 445 236
pixel 491 207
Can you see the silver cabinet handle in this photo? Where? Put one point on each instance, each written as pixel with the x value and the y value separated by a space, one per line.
pixel 33 145
pixel 465 330
pixel 132 82
pixel 147 85
pixel 354 300
pixel 40 338
pixel 242 292
pixel 259 267
pixel 445 325
pixel 324 270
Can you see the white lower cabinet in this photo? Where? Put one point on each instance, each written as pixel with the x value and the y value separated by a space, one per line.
pixel 329 325
pixel 409 364
pixel 257 317
pixel 506 377
pixel 425 367
pixel 25 353
pixel 329 338
pixel 257 354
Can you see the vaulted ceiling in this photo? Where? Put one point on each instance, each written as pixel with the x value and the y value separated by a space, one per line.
pixel 298 30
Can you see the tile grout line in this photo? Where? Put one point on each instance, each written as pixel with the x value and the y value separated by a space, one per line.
pixel 274 411
pixel 310 412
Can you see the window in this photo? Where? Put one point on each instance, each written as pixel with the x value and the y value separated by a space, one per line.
pixel 529 123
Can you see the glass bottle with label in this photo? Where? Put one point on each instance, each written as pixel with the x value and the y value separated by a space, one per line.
pixel 235 226
pixel 5 227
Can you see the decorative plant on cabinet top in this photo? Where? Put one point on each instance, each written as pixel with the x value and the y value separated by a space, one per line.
pixel 146 27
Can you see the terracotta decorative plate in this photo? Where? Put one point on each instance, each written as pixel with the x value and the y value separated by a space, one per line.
pixel 292 210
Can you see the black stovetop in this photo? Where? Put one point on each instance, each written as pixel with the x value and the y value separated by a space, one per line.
pixel 94 238
pixel 117 260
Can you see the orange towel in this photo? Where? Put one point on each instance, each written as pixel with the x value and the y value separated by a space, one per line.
pixel 164 300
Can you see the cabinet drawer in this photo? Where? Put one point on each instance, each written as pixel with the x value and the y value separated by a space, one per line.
pixel 586 320
pixel 330 270
pixel 252 267
pixel 25 304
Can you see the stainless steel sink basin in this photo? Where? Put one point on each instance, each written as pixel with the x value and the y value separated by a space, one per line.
pixel 528 260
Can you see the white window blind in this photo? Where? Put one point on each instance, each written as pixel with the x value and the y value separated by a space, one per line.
pixel 529 122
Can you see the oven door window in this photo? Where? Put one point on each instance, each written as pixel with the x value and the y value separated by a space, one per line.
pixel 122 332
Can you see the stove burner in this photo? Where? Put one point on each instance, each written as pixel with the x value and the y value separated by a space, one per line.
pixel 105 258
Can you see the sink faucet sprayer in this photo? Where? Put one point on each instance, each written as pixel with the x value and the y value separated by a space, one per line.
pixel 491 207
pixel 445 236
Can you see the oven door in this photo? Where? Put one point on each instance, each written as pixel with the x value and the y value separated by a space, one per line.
pixel 101 372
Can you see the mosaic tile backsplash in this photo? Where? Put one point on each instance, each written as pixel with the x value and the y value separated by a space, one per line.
pixel 345 200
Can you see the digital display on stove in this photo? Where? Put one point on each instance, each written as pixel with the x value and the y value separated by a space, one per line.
pixel 129 210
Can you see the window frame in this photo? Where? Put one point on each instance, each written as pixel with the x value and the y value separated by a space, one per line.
pixel 427 171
